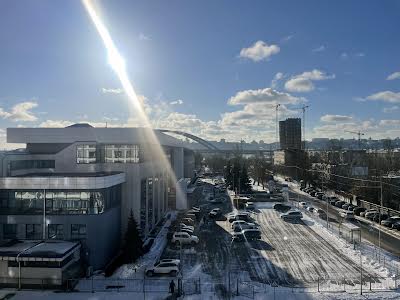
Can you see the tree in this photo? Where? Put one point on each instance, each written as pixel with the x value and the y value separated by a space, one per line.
pixel 133 246
pixel 245 184
pixel 228 174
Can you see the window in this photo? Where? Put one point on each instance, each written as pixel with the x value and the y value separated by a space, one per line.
pixel 31 164
pixel 86 154
pixel 33 231
pixel 9 231
pixel 150 204
pixel 143 207
pixel 78 231
pixel 56 231
pixel 121 153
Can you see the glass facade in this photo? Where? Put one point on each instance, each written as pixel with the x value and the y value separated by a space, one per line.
pixel 98 153
pixel 31 164
pixel 78 231
pixel 143 206
pixel 33 231
pixel 55 231
pixel 150 220
pixel 86 154
pixel 9 231
pixel 31 202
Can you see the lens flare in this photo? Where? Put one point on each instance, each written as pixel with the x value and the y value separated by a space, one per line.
pixel 117 63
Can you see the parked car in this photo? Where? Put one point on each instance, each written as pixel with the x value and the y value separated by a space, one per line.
pixel 239 216
pixel 333 200
pixel 292 215
pixel 320 212
pixel 216 212
pixel 169 260
pixel 184 238
pixel 380 217
pixel 313 193
pixel 365 212
pixel 350 207
pixel 187 221
pixel 396 226
pixel 250 205
pixel 237 222
pixel 240 226
pixel 281 207
pixel 390 221
pixel 303 204
pixel 348 215
pixel 163 268
pixel 346 206
pixel 319 195
pixel 182 225
pixel 339 203
pixel 357 210
pixel 310 209
pixel 371 215
pixel 252 234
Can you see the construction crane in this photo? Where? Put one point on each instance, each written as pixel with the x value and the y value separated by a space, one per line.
pixel 359 133
pixel 303 108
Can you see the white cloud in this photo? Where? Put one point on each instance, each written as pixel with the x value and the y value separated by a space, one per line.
pixel 391 109
pixel 287 38
pixel 267 95
pixel 144 37
pixel 393 76
pixel 176 102
pixel 112 91
pixel 304 82
pixel 360 54
pixel 336 118
pixel 390 122
pixel 20 112
pixel 56 123
pixel 259 51
pixel 344 55
pixel 278 76
pixel 385 96
pixel 319 49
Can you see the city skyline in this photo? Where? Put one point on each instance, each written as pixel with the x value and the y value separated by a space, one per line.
pixel 217 71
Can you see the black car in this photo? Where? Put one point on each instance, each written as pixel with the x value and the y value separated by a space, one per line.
pixel 350 207
pixel 345 206
pixel 339 203
pixel 332 201
pixel 382 217
pixel 357 210
pixel 390 221
pixel 313 193
pixel 396 226
pixel 282 207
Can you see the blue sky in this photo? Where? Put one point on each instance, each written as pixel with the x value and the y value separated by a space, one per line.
pixel 205 67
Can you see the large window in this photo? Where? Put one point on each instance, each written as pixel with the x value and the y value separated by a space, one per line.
pixel 9 231
pixel 31 164
pixel 59 201
pixel 56 231
pixel 86 154
pixel 33 231
pixel 78 231
pixel 121 153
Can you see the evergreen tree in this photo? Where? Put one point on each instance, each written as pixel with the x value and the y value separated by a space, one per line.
pixel 133 247
pixel 245 184
pixel 228 175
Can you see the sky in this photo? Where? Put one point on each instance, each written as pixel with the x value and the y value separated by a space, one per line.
pixel 216 69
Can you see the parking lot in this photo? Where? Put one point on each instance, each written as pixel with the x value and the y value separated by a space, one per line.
pixel 289 253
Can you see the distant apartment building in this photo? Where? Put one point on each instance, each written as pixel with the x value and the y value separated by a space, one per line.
pixel 80 183
pixel 290 134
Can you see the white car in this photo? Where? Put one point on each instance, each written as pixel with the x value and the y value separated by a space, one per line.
pixel 238 222
pixel 186 226
pixel 348 215
pixel 169 260
pixel 163 268
pixel 184 238
pixel 215 212
pixel 303 204
pixel 250 205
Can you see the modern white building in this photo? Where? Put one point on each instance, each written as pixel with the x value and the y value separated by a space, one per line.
pixel 80 183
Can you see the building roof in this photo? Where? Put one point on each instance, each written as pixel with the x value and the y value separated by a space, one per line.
pixel 81 133
pixel 37 250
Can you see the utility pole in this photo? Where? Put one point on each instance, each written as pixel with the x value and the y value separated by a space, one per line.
pixel 380 215
pixel 277 125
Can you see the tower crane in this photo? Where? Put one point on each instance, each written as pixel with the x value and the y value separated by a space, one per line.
pixel 359 134
pixel 303 108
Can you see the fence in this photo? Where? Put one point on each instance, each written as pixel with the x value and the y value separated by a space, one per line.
pixel 35 283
